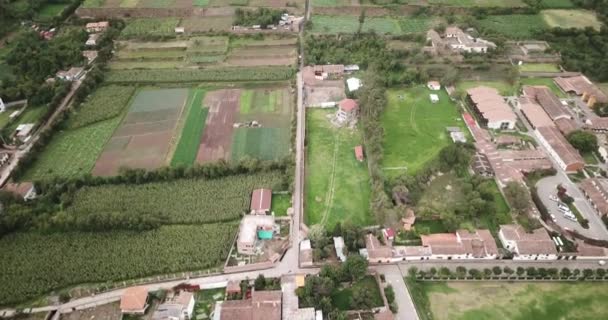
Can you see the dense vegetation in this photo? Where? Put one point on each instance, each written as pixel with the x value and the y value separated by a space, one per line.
pixel 193 75
pixel 106 103
pixel 33 263
pixel 262 16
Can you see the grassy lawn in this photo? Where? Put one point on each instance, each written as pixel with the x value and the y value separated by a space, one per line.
pixel 205 301
pixel 557 4
pixel 516 26
pixel 31 115
pixel 280 204
pixel 539 67
pixel 504 88
pixel 380 25
pixel 589 158
pixel 417 123
pixel 548 82
pixel 501 300
pixel 73 152
pixel 333 175
pixel 430 226
pixel 342 297
pixel 571 19
pixel 190 138
pixel 5 117
pixel 51 10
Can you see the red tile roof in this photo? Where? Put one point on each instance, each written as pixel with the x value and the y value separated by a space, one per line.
pixel 359 153
pixel 134 298
pixel 261 200
pixel 348 105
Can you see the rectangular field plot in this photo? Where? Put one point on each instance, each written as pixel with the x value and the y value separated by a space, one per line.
pixel 337 185
pixel 190 138
pixel 510 301
pixel 144 137
pixel 479 3
pixel 411 120
pixel 381 25
pixel 261 143
pixel 571 19
pixel 149 27
pixel 515 26
pixel 207 24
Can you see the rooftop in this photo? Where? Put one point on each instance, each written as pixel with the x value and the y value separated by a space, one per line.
pixel 375 249
pixel 491 104
pixel 534 113
pixel 263 305
pixel 560 145
pixel 547 100
pixel 134 298
pixel 536 242
pixel 580 85
pixel 261 199
pixel 250 224
pixel 348 105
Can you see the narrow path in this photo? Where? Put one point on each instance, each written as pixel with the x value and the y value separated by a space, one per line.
pixel 332 181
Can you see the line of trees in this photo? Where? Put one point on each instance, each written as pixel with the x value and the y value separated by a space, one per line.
pixel 507 272
pixel 261 16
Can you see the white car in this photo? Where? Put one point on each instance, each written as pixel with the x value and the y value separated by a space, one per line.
pixel 553 198
pixel 564 210
pixel 571 217
pixel 553 218
pixel 601 262
pixel 562 205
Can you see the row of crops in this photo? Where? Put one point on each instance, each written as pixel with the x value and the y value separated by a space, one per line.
pixel 179 201
pixel 193 75
pixel 106 103
pixel 33 264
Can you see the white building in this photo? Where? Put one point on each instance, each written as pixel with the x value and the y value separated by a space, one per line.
pixel 536 245
pixel 433 85
pixel 458 40
pixel 339 245
pixel 434 98
pixel 353 84
pixel 72 74
pixel 177 307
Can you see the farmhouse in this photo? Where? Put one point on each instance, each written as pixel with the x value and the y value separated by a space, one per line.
pixel 461 245
pixel 26 190
pixel 377 252
pixel 233 287
pixel 491 108
pixel 339 246
pixel 134 300
pixel 527 246
pixel 263 305
pixel 72 74
pixel 90 55
pixel 596 191
pixel 252 228
pixel 433 85
pixel 347 111
pixel 533 113
pixel 458 40
pixel 543 96
pixel 560 149
pixel 100 26
pixel 177 307
pixel 323 72
pixel 22 132
pixel 261 200
pixel 582 86
pixel 359 153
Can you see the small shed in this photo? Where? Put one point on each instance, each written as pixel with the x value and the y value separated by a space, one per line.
pixel 388 233
pixel 434 98
pixel 233 287
pixel 359 153
pixel 179 30
pixel 353 84
pixel 433 85
pixel 134 300
pixel 261 200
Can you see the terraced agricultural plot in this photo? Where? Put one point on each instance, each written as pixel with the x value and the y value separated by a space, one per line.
pixel 334 175
pixel 151 76
pixel 479 3
pixel 190 138
pixel 137 28
pixel 502 300
pixel 143 138
pixel 539 67
pixel 105 103
pixel 514 26
pixel 207 24
pixel 217 136
pixel 381 25
pixel 411 120
pixel 51 10
pixel 580 19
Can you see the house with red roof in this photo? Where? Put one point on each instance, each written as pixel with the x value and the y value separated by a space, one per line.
pixel 359 153
pixel 261 200
pixel 347 111
pixel 134 300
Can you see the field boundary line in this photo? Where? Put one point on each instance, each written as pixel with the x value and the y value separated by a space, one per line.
pixel 330 197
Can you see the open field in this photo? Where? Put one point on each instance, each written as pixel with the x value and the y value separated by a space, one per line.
pixel 105 103
pixel 381 25
pixel 137 28
pixel 217 137
pixel 72 153
pixel 207 24
pixel 143 138
pixel 557 18
pixel 199 75
pixel 539 67
pixel 514 26
pixel 178 201
pixel 420 124
pixel 280 204
pixel 479 3
pixel 67 258
pixel 333 174
pixel 190 138
pixel 501 300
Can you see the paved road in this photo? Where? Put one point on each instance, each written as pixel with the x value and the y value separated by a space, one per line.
pixel 394 276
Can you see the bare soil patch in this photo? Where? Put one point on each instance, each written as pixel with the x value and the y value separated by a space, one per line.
pixel 107 312
pixel 217 136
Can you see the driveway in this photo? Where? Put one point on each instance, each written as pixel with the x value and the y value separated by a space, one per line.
pixel 394 277
pixel 548 186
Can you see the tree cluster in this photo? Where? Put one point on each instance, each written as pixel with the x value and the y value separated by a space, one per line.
pixel 322 241
pixel 583 141
pixel 262 16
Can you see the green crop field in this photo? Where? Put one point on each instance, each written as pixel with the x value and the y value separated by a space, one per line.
pixel 33 264
pixel 515 26
pixel 72 153
pixel 502 300
pixel 260 143
pixel 197 75
pixel 557 18
pixel 255 101
pixel 381 25
pixel 51 10
pixel 93 3
pixel 330 3
pixel 334 175
pixel 190 138
pixel 539 67
pixel 479 3
pixel 415 122
pixel 105 103
pixel 149 27
pixel 177 201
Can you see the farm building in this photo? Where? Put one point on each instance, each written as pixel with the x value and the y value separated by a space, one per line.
pixel 582 86
pixel 388 234
pixel 347 111
pixel 305 253
pixel 565 126
pixel 560 149
pixel 180 30
pixel 72 74
pixel 22 132
pixel 596 191
pixel 261 200
pixel 536 245
pixel 134 300
pixel 458 40
pixel 323 72
pixel 585 251
pixel 100 26
pixel 339 246
pixel 176 307
pixel 458 136
pixel 375 251
pixel 491 108
pixel 359 153
pixel 544 97
pixel 250 230
pixel 92 40
pixel 533 113
pixel 598 124
pixel 26 190
pixel 265 305
pixel 353 84
pixel 433 85
pixel 434 98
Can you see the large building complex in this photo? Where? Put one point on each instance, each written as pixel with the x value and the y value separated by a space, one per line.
pixel 596 190
pixel 560 149
pixel 582 86
pixel 536 245
pixel 491 108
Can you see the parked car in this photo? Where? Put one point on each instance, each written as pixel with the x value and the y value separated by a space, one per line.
pixel 564 210
pixel 601 262
pixel 571 217
pixel 553 218
pixel 562 205
pixel 553 198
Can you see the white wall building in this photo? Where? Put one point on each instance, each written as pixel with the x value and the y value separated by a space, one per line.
pixel 527 246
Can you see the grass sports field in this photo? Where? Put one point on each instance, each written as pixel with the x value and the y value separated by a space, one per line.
pixel 333 175
pixel 510 301
pixel 411 120
pixel 381 25
pixel 190 137
pixel 571 19
pixel 517 26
